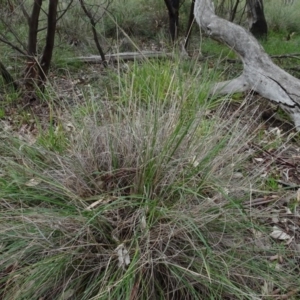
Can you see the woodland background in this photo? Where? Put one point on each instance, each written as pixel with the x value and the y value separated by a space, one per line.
pixel 126 178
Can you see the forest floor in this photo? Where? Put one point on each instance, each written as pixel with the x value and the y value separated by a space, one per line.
pixel 138 156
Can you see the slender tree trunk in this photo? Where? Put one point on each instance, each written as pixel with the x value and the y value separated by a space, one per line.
pixel 233 12
pixel 190 24
pixel 93 23
pixel 33 27
pixel 173 9
pixel 47 54
pixel 31 69
pixel 260 73
pixel 256 17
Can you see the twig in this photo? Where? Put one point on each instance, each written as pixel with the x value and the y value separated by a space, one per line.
pixel 13 46
pixel 291 55
pixel 279 159
pixel 93 23
pixel 259 201
pixel 288 186
pixel 25 13
pixel 12 31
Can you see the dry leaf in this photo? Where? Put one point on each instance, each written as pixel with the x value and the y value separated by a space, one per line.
pixel 69 127
pixel 98 202
pixel 237 175
pixel 257 234
pixel 277 257
pixel 288 211
pixel 298 195
pixel 275 218
pixel 278 234
pixel 194 161
pixel 267 288
pixel 94 204
pixel 258 159
pixel 33 182
pixel 143 222
pixel 123 256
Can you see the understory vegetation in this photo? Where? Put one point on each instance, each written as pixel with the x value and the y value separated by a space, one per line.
pixel 133 182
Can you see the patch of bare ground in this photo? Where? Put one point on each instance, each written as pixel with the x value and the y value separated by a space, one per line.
pixel 276 154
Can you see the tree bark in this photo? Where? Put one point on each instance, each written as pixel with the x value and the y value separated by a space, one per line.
pixel 32 67
pixel 260 73
pixel 173 9
pixel 33 27
pixel 233 12
pixel 47 54
pixel 190 24
pixel 257 21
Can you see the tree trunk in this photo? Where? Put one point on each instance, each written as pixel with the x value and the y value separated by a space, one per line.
pixel 47 54
pixel 233 11
pixel 260 73
pixel 256 17
pixel 33 27
pixel 173 9
pixel 190 24
pixel 32 66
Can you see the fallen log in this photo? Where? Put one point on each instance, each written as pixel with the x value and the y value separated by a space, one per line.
pixel 125 56
pixel 259 72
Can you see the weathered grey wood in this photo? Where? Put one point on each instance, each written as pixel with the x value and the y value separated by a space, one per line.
pixel 96 59
pixel 260 73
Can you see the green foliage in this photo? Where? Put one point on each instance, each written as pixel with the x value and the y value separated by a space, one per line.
pixel 54 138
pixel 166 81
pixel 136 199
pixel 62 60
pixel 146 19
pixel 271 184
pixel 282 17
pixel 278 43
pixel 136 190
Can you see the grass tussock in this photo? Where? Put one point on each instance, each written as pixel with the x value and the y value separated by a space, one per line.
pixel 144 203
pixel 283 15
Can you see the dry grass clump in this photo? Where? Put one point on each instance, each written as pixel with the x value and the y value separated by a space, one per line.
pixel 144 204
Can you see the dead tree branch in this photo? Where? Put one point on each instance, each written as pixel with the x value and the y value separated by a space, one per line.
pixel 259 72
pixel 13 46
pixel 24 11
pixel 124 56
